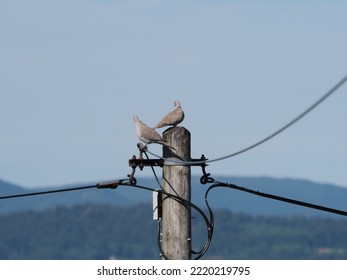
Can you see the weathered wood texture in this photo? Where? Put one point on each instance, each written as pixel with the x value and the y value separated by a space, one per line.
pixel 176 219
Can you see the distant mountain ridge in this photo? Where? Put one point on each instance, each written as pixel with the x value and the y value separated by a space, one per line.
pixel 328 195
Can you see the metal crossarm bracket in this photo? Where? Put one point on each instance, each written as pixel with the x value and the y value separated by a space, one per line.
pixel 141 163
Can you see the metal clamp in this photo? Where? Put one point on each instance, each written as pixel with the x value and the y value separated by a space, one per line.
pixel 205 178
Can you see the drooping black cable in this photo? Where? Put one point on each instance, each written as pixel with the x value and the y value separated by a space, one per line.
pixel 189 204
pixel 210 212
pixel 171 187
pixel 103 185
pixel 46 192
pixel 138 187
pixel 186 204
pixel 154 173
pixel 279 198
pixel 162 254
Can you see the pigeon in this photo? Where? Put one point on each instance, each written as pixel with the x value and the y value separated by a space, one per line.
pixel 173 118
pixel 147 134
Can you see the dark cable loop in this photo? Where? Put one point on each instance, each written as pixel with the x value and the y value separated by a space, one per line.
pixel 186 204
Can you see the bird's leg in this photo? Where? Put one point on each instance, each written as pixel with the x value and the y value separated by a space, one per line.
pixel 141 148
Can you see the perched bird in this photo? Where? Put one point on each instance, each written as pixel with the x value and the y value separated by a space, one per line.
pixel 173 118
pixel 147 134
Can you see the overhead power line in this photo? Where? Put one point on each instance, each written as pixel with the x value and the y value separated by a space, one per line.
pixel 45 192
pixel 108 184
pixel 173 161
pixel 186 202
pixel 279 198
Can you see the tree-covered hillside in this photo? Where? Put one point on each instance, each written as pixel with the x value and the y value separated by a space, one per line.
pixel 103 232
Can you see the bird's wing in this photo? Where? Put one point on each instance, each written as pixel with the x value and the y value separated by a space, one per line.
pixel 173 118
pixel 150 134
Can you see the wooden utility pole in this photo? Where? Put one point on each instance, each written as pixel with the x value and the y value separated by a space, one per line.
pixel 176 216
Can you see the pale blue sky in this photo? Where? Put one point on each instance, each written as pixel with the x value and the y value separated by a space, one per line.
pixel 73 73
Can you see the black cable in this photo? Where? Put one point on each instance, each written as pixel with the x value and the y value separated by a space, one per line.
pixel 308 110
pixel 138 187
pixel 162 254
pixel 114 184
pixel 186 203
pixel 103 185
pixel 154 173
pixel 210 212
pixel 171 187
pixel 209 230
pixel 47 192
pixel 279 198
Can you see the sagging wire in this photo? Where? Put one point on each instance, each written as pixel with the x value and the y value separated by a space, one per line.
pixel 108 184
pixel 132 182
pixel 206 178
pixel 45 192
pixel 113 184
pixel 217 184
pixel 171 161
